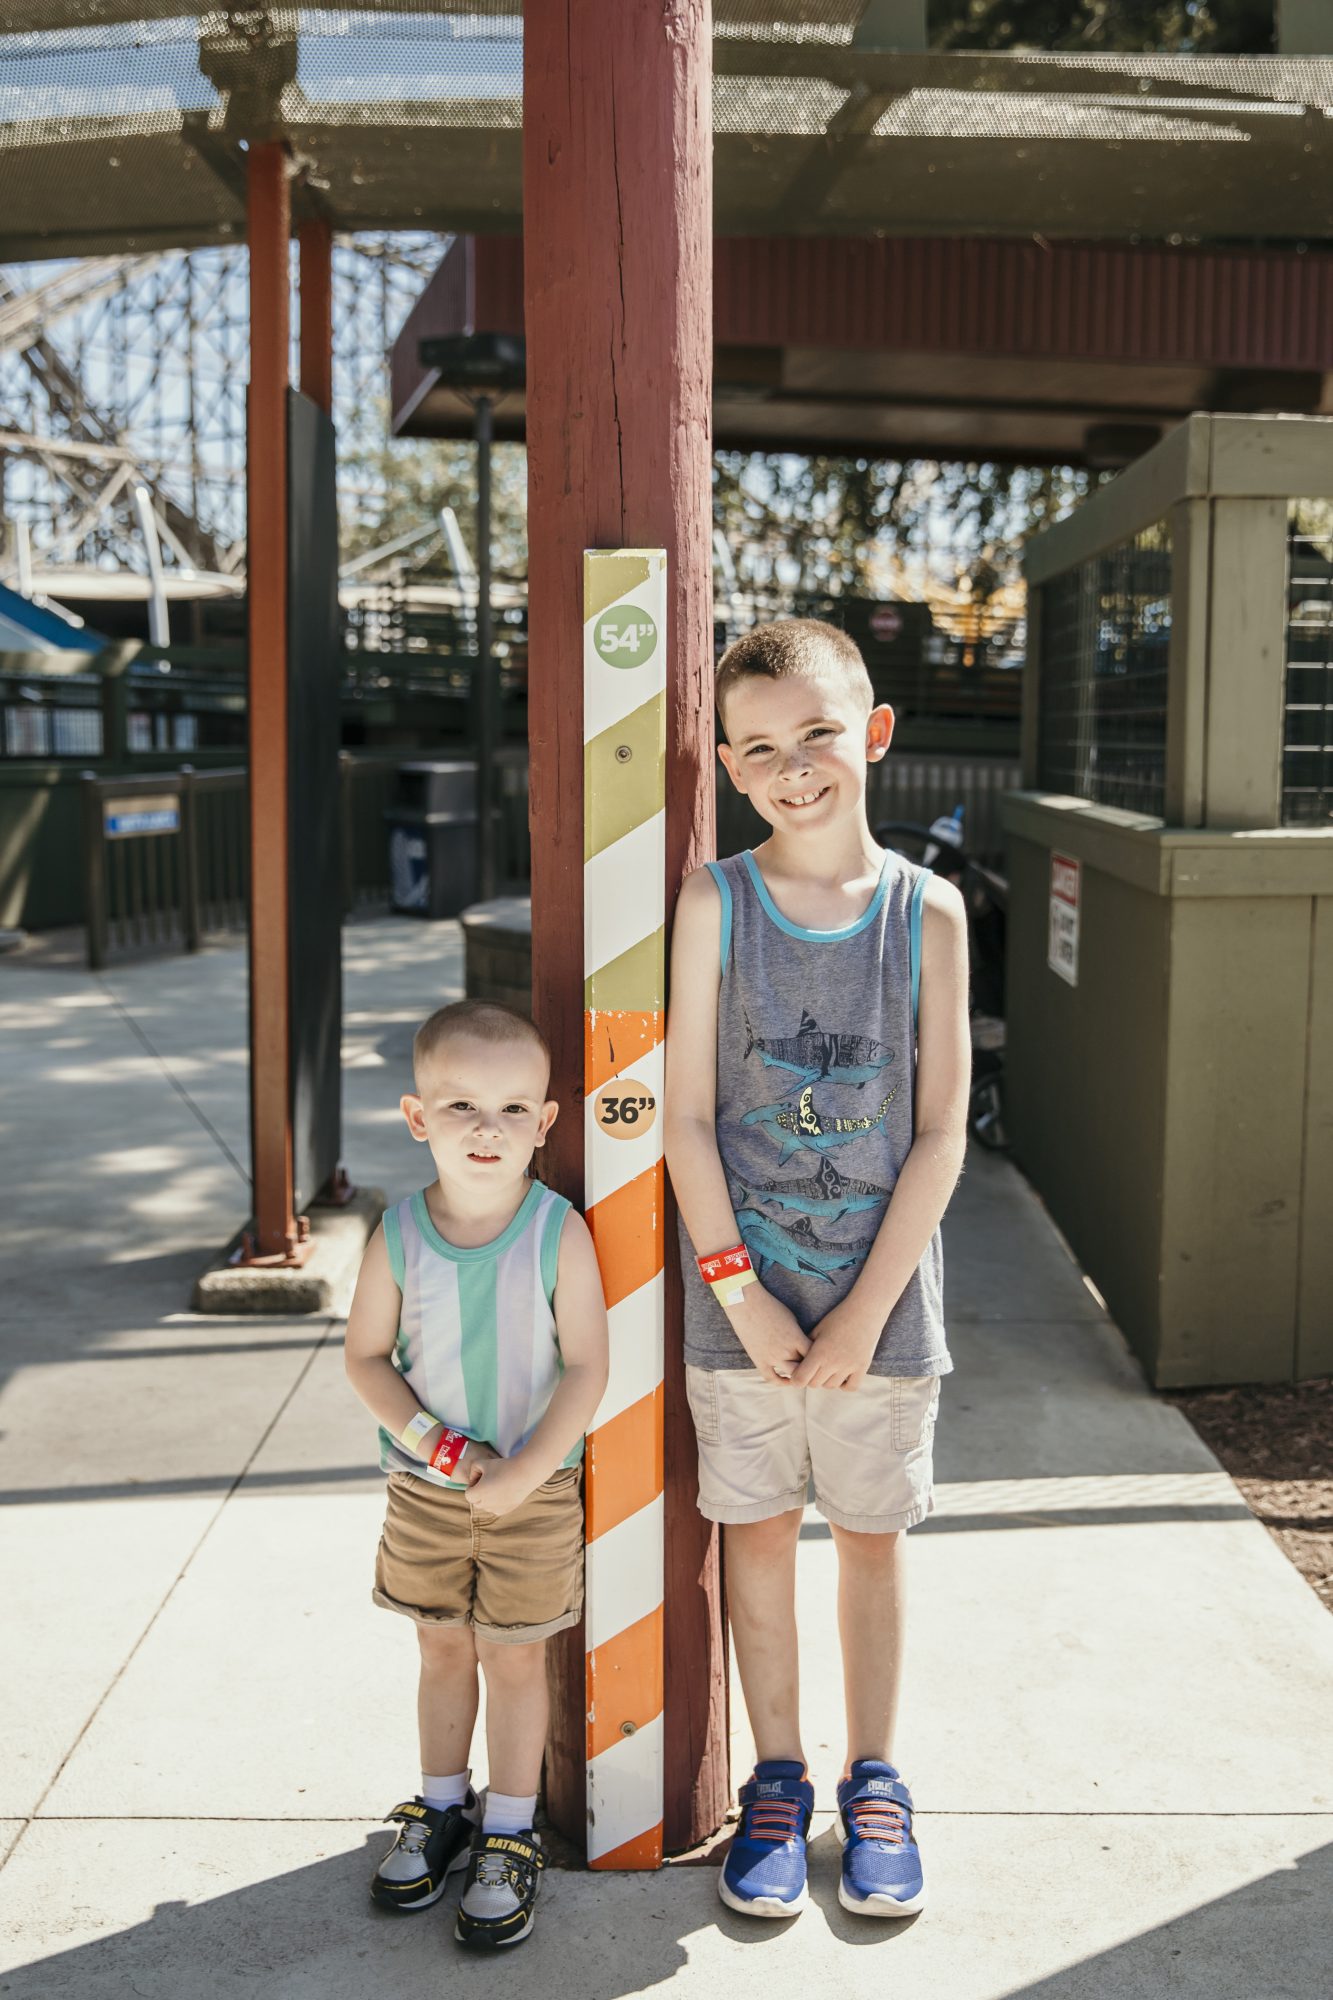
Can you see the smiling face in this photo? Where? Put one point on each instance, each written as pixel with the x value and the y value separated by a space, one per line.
pixel 482 1108
pixel 798 748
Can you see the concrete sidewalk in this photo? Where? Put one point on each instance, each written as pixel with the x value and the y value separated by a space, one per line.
pixel 1117 1717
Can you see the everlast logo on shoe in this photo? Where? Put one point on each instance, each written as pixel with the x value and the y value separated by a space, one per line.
pixel 770 1790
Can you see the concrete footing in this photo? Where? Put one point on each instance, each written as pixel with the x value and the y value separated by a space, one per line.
pixel 322 1284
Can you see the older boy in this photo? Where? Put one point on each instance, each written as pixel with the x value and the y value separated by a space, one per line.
pixel 815 1131
pixel 478 1338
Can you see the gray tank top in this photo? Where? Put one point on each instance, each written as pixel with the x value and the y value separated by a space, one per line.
pixel 815 1057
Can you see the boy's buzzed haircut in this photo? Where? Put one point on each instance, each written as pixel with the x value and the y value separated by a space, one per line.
pixel 791 648
pixel 487 1020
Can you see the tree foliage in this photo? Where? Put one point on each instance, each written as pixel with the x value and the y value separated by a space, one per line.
pixel 805 526
pixel 1122 27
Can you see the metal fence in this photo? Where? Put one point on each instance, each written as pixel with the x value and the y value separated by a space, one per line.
pixel 167 857
pixel 1307 735
pixel 165 860
pixel 1106 629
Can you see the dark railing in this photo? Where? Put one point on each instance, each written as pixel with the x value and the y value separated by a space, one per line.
pixel 167 857
pixel 1106 628
pixel 366 787
pixel 1307 737
pixel 165 860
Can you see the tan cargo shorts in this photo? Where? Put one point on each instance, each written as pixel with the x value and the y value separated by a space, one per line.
pixel 515 1579
pixel 869 1450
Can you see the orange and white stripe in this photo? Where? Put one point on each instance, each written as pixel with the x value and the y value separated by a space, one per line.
pixel 624 689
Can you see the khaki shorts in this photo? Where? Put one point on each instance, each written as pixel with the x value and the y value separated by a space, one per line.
pixel 514 1580
pixel 868 1449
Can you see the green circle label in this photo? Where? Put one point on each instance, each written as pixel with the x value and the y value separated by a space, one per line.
pixel 624 636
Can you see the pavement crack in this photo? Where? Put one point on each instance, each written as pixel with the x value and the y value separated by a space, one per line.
pixel 196 1111
pixel 329 1323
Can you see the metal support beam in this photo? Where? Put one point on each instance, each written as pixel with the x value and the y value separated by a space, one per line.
pixel 268 231
pixel 315 238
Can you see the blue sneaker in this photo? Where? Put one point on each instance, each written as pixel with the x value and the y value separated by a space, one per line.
pixel 881 1862
pixel 764 1874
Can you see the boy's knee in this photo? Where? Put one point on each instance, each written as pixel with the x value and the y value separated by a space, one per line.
pixel 444 1646
pixel 774 1537
pixel 871 1551
pixel 512 1666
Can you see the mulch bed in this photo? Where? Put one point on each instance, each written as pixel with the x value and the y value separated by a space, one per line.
pixel 1276 1441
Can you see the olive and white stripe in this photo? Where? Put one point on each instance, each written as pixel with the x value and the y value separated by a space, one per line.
pixel 624 688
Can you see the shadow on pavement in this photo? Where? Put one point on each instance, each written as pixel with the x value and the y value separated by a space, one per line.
pixel 312 1932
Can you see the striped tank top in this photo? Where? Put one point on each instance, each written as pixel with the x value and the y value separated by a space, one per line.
pixel 476 1335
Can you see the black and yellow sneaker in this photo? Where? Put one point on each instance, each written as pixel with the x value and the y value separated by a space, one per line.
pixel 429 1846
pixel 500 1890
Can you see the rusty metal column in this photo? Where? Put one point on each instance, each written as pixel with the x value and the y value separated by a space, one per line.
pixel 315 238
pixel 268 227
pixel 617 201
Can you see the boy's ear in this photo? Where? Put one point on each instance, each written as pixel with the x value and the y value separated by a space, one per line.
pixel 410 1107
pixel 549 1113
pixel 731 765
pixel 879 732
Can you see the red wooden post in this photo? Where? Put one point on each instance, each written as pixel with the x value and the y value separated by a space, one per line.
pixel 268 224
pixel 315 238
pixel 617 143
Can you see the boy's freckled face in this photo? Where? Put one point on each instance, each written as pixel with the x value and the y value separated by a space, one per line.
pixel 798 748
pixel 482 1108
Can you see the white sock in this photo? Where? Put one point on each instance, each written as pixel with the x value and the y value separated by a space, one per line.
pixel 441 1793
pixel 506 1814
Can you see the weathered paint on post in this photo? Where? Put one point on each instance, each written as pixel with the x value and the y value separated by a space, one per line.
pixel 617 139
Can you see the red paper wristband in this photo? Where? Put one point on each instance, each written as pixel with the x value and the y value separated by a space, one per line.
pixel 447 1452
pixel 724 1264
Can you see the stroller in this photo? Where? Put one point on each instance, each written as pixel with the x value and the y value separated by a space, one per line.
pixel 942 848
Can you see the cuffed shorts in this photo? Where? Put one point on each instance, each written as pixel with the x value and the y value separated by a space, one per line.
pixel 869 1449
pixel 514 1579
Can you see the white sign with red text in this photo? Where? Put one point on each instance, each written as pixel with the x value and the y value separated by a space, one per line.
pixel 1062 937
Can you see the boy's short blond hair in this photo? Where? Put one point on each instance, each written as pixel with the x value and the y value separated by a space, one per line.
pixel 485 1020
pixel 792 648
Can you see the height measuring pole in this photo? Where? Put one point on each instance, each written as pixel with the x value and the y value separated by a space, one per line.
pixel 624 932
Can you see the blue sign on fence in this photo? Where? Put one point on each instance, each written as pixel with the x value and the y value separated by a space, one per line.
pixel 123 817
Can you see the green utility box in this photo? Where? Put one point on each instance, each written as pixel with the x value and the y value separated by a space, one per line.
pixel 1170 947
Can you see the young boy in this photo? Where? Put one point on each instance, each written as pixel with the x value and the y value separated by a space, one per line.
pixel 815 1130
pixel 478 1338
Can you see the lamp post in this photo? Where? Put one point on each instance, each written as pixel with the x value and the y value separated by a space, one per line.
pixel 481 368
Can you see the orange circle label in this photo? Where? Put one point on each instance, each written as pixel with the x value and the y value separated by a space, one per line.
pixel 625 1109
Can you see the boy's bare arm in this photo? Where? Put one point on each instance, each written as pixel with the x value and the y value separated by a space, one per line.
pixel 845 1340
pixel 580 1320
pixel 372 1330
pixel 766 1329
